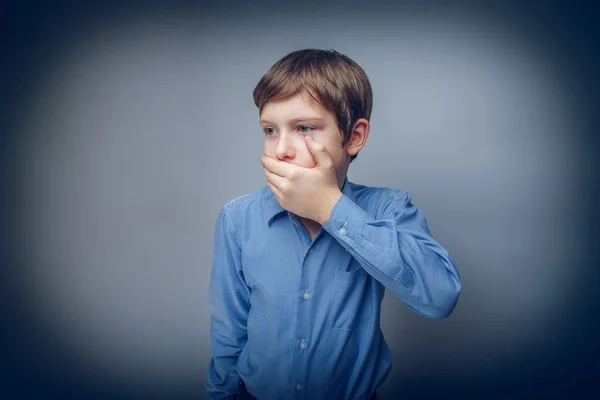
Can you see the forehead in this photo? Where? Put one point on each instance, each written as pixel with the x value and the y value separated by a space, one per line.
pixel 301 105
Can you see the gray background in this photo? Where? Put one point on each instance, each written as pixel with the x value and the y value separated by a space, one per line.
pixel 132 126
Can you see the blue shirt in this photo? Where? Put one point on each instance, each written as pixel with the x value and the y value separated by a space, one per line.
pixel 295 318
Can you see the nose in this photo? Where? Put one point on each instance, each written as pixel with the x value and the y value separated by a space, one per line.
pixel 285 148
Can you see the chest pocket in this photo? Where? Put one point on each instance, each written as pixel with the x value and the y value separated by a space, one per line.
pixel 350 301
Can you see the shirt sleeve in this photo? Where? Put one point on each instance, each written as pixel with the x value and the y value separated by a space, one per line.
pixel 399 252
pixel 229 307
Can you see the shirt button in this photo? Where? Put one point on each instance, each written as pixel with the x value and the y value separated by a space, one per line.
pixel 342 231
pixel 298 386
pixel 306 295
pixel 302 344
pixel 310 251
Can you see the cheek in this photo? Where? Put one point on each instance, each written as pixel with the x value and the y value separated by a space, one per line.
pixel 337 156
pixel 306 161
pixel 269 148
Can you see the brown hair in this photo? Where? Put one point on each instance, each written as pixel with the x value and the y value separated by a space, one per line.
pixel 331 78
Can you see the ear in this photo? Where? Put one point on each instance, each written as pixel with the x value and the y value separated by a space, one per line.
pixel 358 137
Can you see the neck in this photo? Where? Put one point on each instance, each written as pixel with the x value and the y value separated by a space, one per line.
pixel 341 174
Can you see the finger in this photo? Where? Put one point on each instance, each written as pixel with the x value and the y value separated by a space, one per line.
pixel 275 191
pixel 280 168
pixel 274 179
pixel 318 151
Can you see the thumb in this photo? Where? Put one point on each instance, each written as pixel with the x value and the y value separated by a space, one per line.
pixel 322 158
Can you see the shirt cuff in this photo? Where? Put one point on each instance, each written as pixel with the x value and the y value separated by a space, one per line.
pixel 346 221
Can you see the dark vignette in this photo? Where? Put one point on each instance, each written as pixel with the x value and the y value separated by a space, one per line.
pixel 35 34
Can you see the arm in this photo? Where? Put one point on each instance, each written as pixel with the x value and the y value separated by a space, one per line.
pixel 399 252
pixel 229 306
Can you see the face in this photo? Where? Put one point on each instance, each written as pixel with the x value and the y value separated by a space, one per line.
pixel 286 122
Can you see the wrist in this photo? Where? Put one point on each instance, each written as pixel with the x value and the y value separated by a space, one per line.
pixel 328 202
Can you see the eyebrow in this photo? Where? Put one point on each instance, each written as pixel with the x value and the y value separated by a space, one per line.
pixel 294 121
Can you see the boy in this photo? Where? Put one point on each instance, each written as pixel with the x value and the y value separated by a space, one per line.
pixel 300 267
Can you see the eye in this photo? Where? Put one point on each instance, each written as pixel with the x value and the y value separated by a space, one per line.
pixel 269 131
pixel 305 128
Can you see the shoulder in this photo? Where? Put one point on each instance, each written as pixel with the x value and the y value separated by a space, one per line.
pixel 380 202
pixel 257 199
pixel 248 204
pixel 243 215
pixel 367 194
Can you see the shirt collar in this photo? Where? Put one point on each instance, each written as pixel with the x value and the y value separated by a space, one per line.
pixel 275 209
